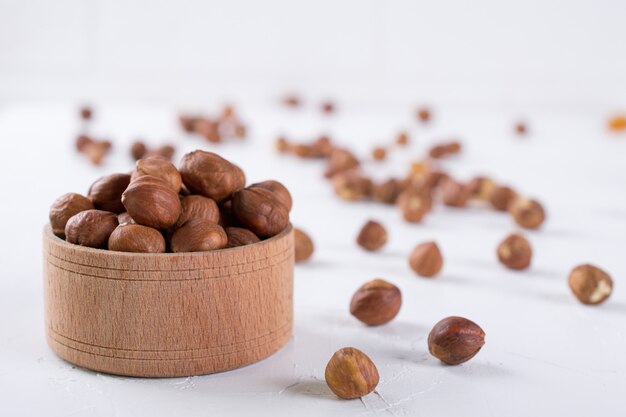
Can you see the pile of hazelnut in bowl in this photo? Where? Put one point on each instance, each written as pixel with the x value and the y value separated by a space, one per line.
pixel 201 206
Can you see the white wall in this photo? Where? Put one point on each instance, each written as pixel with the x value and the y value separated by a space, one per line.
pixel 485 51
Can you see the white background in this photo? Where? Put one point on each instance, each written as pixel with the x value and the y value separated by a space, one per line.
pixel 481 65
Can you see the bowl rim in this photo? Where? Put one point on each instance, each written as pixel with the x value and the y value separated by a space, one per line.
pixel 48 234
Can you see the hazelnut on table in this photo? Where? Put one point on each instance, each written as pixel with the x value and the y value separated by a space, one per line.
pixel 455 340
pixel 515 252
pixel 372 236
pixel 351 374
pixel 590 284
pixel 426 259
pixel 304 246
pixel 376 302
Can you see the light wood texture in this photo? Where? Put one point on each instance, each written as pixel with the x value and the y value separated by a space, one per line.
pixel 164 315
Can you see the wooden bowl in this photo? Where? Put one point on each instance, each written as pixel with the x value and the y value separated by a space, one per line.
pixel 166 315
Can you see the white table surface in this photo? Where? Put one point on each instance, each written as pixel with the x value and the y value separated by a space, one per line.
pixel 545 354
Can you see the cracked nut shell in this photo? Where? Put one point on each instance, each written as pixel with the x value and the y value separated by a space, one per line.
pixel 65 207
pixel 351 374
pixel 91 228
pixel 455 340
pixel 590 284
pixel 152 202
pixel 376 302
pixel 130 237
pixel 210 175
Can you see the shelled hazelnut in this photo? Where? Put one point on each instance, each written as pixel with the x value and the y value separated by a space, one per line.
pixel 198 236
pixel 387 191
pixel 238 236
pixel 423 114
pixel 64 208
pixel 128 237
pixel 210 175
pixel 520 128
pixel 454 194
pixel 481 188
pixel 515 252
pixel 372 236
pixel 197 207
pixel 139 150
pixel 215 129
pixel 279 190
pixel 402 139
pixel 91 228
pixel 455 340
pixel 351 374
pixel 352 186
pixel 291 100
pixel 152 202
pixel 86 112
pixel 158 167
pixel 260 210
pixel 125 218
pixel 94 150
pixel 590 284
pixel 414 203
pixel 379 153
pixel 501 197
pixel 304 246
pixel 341 160
pixel 376 302
pixel 106 193
pixel 328 107
pixel 426 259
pixel 529 214
pixel 444 149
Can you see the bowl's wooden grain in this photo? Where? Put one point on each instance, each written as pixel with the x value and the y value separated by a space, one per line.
pixel 163 315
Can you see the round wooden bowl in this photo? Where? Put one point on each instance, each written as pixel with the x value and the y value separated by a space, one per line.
pixel 166 315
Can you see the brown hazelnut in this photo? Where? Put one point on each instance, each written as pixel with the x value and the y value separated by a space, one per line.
pixel 65 207
pixel 328 107
pixel 379 153
pixel 303 244
pixel 238 236
pixel 282 145
pixel 91 228
pixel 529 214
pixel 197 207
pixel 106 193
pixel 372 236
pixel 291 100
pixel 260 211
pixel 198 236
pixel 210 175
pixel 617 123
pixel 352 185
pixel 454 194
pixel 426 259
pixel 152 202
pixel 351 374
pixel 82 141
pixel 455 340
pixel 86 112
pixel 124 217
pixel 387 192
pixel 481 188
pixel 402 139
pixel 414 204
pixel 138 150
pixel 590 284
pixel 159 167
pixel 340 160
pixel 520 128
pixel 130 237
pixel 444 149
pixel 280 191
pixel 515 252
pixel 166 151
pixel 95 151
pixel 208 129
pixel 423 114
pixel 376 302
pixel 501 197
pixel 188 123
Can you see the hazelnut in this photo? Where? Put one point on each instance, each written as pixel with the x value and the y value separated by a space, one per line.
pixel 323 146
pixel 130 237
pixel 227 217
pixel 340 160
pixel 208 129
pixel 520 128
pixel 260 211
pixel 529 214
pixel 618 123
pixel 515 252
pixel 86 112
pixel 138 150
pixel 159 167
pixel 402 139
pixel 414 204
pixel 352 185
pixel 376 302
pixel 125 218
pixel 210 175
pixel 303 245
pixel 455 340
pixel 82 141
pixel 152 202
pixel 351 374
pixel 166 151
pixel 379 153
pixel 197 207
pixel 291 100
pixel 328 107
pixel 95 151
pixel 198 236
pixel 372 236
pixel 188 123
pixel 238 236
pixel 590 284
pixel 500 198
pixel 454 194
pixel 90 228
pixel 481 188
pixel 444 149
pixel 282 145
pixel 423 114
pixel 280 191
pixel 65 207
pixel 426 259
pixel 387 192
pixel 106 193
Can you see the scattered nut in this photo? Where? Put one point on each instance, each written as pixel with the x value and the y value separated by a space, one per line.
pixel 454 194
pixel 197 207
pixel 379 153
pixel 260 210
pixel 188 123
pixel 90 228
pixel 152 202
pixel 350 374
pixel 618 123
pixel 303 245
pixel 138 150
pixel 95 151
pixel 198 236
pixel 501 197
pixel 444 149
pixel 515 252
pixel 106 193
pixel 81 142
pixel 158 167
pixel 352 186
pixel 208 129
pixel 65 207
pixel 520 128
pixel 423 114
pixel 86 113
pixel 280 191
pixel 402 139
pixel 341 160
pixel 210 175
pixel 481 188
pixel 529 214
pixel 292 100
pixel 455 340
pixel 372 236
pixel 238 236
pixel 388 191
pixel 328 107
pixel 590 284
pixel 414 204
pixel 426 259
pixel 130 237
pixel 376 302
